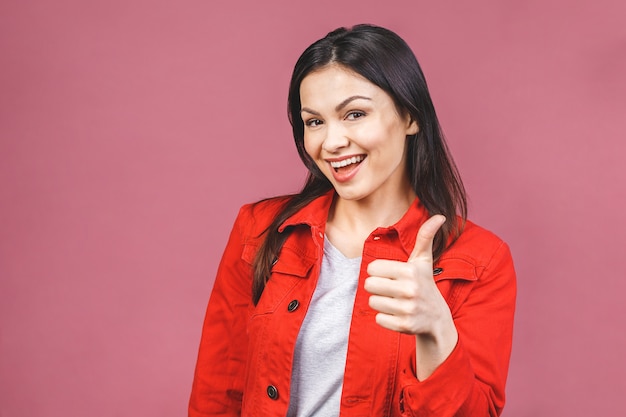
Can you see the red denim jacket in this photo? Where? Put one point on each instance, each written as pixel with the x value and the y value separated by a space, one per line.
pixel 246 351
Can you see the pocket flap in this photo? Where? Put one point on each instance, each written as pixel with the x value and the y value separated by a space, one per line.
pixel 292 261
pixel 455 280
pixel 455 268
pixel 249 252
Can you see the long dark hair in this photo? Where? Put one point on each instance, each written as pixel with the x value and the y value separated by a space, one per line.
pixel 383 58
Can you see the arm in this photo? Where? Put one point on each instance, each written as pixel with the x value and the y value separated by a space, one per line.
pixel 461 358
pixel 408 301
pixel 471 380
pixel 219 376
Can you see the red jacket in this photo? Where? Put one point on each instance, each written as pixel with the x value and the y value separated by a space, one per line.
pixel 246 352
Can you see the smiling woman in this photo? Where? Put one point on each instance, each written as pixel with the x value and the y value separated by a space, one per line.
pixel 367 293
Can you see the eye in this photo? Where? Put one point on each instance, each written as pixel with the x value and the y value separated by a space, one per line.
pixel 353 115
pixel 313 122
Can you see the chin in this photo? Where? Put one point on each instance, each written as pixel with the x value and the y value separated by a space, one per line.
pixel 349 195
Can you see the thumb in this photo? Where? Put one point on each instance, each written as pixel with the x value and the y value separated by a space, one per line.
pixel 425 236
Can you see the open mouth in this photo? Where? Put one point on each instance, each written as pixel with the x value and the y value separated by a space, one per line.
pixel 347 164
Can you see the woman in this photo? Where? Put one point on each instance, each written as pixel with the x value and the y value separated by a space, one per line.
pixel 368 293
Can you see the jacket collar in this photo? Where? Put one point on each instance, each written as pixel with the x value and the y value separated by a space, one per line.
pixel 315 214
pixel 408 226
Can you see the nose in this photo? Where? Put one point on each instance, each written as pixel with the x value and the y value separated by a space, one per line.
pixel 336 138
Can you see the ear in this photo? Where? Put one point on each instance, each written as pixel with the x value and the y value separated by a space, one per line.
pixel 412 128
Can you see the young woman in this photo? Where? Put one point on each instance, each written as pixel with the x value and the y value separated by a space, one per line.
pixel 368 293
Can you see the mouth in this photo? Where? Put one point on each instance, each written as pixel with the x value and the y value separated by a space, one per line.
pixel 347 164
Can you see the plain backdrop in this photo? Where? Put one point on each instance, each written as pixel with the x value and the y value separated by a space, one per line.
pixel 132 130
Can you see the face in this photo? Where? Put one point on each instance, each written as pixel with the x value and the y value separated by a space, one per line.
pixel 355 134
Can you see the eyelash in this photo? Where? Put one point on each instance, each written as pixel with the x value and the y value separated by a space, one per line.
pixel 353 115
pixel 359 114
pixel 313 122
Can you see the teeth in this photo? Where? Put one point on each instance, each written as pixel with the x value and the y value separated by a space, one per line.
pixel 346 162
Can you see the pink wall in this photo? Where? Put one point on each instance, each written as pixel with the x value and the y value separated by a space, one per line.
pixel 131 131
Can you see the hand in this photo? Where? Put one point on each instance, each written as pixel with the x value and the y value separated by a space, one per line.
pixel 408 300
pixel 404 293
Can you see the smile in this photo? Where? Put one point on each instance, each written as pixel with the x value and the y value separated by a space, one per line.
pixel 345 162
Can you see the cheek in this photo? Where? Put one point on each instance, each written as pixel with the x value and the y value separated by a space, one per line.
pixel 312 149
pixel 310 146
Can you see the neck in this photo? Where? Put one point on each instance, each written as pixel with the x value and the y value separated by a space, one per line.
pixel 350 222
pixel 363 216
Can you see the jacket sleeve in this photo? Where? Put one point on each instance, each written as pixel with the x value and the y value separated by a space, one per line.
pixel 217 388
pixel 470 382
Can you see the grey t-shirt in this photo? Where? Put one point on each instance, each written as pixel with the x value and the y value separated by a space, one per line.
pixel 322 344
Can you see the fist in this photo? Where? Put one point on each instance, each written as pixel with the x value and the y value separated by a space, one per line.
pixel 404 293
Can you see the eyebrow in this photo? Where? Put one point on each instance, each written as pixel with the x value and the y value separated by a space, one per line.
pixel 339 106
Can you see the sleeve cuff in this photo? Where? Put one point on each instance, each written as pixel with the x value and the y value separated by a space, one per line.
pixel 446 389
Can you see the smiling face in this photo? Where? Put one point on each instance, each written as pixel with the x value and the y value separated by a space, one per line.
pixel 355 135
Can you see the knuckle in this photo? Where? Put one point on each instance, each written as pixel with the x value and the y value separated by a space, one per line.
pixel 405 326
pixel 405 309
pixel 410 290
pixel 411 269
pixel 412 310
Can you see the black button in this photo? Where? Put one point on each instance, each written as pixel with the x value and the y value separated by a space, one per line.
pixel 272 392
pixel 437 271
pixel 293 306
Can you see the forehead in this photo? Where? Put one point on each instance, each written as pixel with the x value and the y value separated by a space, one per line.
pixel 333 83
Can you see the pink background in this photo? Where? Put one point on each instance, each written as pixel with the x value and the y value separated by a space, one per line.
pixel 131 132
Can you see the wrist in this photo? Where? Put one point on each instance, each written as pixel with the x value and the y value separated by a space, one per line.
pixel 433 348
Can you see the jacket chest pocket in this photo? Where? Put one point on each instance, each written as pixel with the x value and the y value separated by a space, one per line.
pixel 455 278
pixel 288 270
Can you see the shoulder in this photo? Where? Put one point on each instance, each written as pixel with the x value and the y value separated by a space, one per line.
pixel 254 218
pixel 477 246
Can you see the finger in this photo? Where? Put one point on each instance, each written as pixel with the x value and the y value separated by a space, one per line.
pixel 425 236
pixel 386 305
pixel 387 268
pixel 391 322
pixel 391 288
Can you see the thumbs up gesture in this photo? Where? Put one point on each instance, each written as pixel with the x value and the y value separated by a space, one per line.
pixel 408 300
